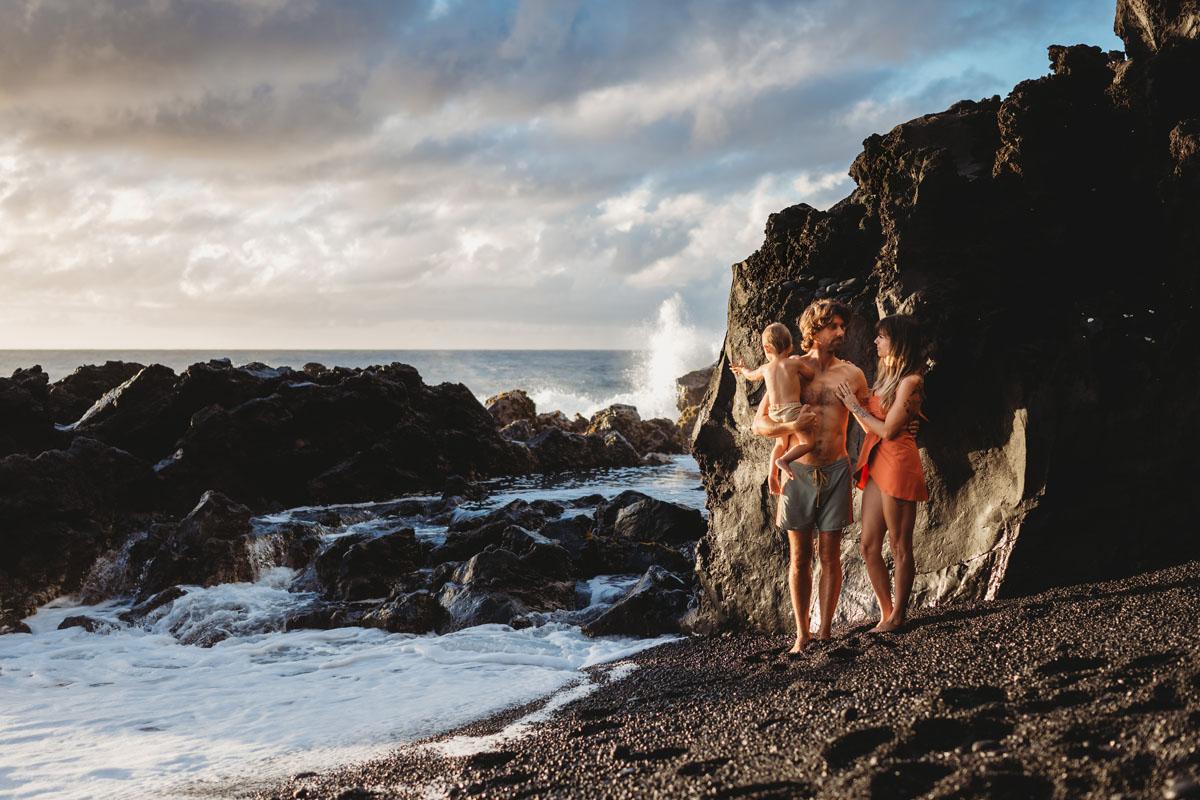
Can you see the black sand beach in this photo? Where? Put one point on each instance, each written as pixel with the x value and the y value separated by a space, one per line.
pixel 1089 691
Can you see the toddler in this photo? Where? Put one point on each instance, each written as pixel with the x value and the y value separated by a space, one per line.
pixel 783 374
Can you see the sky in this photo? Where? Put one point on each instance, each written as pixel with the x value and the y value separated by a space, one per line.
pixel 446 174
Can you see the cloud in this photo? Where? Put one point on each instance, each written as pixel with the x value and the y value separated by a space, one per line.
pixel 375 173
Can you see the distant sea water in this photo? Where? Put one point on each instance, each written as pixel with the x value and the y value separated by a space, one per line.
pixel 571 381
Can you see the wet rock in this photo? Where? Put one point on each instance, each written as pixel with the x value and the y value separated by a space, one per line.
pixel 360 566
pixel 649 436
pixel 70 397
pixel 155 601
pixel 608 510
pixel 497 585
pixel 557 450
pixel 413 612
pixel 518 512
pixel 10 622
pixel 509 407
pixel 519 430
pixel 148 413
pixel 210 546
pixel 368 434
pixel 461 545
pixel 572 534
pixel 652 520
pixel 89 624
pixel 652 607
pixel 605 555
pixel 557 419
pixel 61 510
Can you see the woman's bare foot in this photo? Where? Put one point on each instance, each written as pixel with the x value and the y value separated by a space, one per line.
pixel 888 625
pixel 823 634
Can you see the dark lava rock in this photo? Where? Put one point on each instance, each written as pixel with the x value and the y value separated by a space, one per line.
pixel 509 407
pixel 359 566
pixel 210 546
pixel 497 585
pixel 414 612
pixel 60 511
pixel 692 388
pixel 375 433
pixel 89 624
pixel 649 436
pixel 519 430
pixel 25 422
pixel 155 601
pixel 10 622
pixel 608 510
pixel 652 520
pixel 983 221
pixel 557 450
pixel 518 512
pixel 70 397
pixel 653 606
pixel 148 413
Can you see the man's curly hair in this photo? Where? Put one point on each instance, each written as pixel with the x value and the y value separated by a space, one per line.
pixel 818 315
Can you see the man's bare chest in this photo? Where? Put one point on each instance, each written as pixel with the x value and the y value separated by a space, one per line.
pixel 820 391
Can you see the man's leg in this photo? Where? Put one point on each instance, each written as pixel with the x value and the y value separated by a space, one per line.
pixel 800 584
pixel 830 544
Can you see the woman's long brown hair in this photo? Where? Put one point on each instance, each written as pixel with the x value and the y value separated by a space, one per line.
pixel 905 358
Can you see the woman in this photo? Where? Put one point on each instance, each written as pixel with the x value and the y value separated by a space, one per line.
pixel 889 467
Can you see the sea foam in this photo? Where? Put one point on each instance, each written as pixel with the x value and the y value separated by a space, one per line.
pixel 137 713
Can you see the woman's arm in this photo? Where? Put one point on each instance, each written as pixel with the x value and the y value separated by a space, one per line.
pixel 902 412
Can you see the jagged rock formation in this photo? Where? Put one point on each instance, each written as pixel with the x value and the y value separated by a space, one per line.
pixel 1049 242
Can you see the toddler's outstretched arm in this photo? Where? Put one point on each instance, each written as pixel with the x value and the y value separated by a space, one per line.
pixel 738 368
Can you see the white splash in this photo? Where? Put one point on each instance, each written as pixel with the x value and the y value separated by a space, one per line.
pixel 673 348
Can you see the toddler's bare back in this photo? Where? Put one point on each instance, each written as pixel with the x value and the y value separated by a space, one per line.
pixel 783 384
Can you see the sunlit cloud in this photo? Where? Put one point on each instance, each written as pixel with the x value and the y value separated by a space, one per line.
pixel 381 174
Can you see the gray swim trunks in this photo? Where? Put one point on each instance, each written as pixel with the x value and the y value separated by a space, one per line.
pixel 817 498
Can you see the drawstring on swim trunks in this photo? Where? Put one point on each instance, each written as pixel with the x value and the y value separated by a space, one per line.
pixel 819 481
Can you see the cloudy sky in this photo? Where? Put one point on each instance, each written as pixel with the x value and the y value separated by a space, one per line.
pixel 535 173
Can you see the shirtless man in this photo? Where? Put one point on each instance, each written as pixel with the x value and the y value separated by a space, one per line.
pixel 817 496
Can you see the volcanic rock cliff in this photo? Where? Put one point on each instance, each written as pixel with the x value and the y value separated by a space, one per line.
pixel 1049 242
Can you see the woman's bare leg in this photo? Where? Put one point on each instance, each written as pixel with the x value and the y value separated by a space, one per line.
pixel 871 546
pixel 800 584
pixel 901 516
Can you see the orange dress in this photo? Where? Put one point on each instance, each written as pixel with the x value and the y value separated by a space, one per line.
pixel 894 464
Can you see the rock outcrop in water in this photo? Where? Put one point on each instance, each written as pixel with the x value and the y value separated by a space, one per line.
pixel 1049 242
pixel 120 448
pixel 557 442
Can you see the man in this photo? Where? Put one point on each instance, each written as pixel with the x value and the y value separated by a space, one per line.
pixel 816 496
